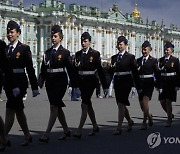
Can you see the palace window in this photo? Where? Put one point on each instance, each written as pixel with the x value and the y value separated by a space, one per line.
pixel 28 43
pixel 3 24
pixel 28 28
pixel 34 48
pixel 103 50
pixel 48 43
pixel 48 29
pixel 103 33
pixel 93 32
pixel 34 28
pixel 75 31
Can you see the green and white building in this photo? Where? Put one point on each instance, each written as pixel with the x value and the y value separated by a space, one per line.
pixel 104 27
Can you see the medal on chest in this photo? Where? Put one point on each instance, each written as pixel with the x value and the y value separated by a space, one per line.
pixel 91 59
pixel 18 54
pixel 172 64
pixel 59 57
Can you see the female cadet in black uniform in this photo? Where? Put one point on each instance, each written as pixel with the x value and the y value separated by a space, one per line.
pixel 147 69
pixel 123 67
pixel 20 58
pixel 87 62
pixel 170 80
pixel 56 59
pixel 9 76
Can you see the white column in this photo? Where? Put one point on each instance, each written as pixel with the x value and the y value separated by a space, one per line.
pixel 114 44
pixel 96 39
pixel 162 46
pixel 72 37
pixel 158 47
pixel 42 39
pixel 79 37
pixel 65 36
pixel 0 26
pixel 68 39
pixel 99 40
pixel 111 34
pixel 133 43
pixel 22 22
pixel 153 47
pixel 107 42
pixel 76 43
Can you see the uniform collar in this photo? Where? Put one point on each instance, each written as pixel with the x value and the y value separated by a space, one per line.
pixel 145 57
pixel 14 45
pixel 167 57
pixel 86 51
pixel 122 53
pixel 56 48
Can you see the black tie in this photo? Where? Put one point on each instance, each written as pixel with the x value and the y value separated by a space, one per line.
pixel 119 57
pixel 84 57
pixel 144 60
pixel 166 60
pixel 53 55
pixel 10 51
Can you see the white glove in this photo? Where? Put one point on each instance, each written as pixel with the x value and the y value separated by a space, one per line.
pixel 70 91
pixel 35 93
pixel 159 90
pixel 106 91
pixel 16 91
pixel 133 92
pixel 177 88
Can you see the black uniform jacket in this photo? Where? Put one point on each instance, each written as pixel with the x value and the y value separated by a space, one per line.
pixel 21 58
pixel 171 66
pixel 126 64
pixel 150 67
pixel 60 59
pixel 90 62
pixel 7 70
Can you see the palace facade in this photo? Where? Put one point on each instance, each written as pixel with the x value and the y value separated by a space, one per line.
pixel 104 27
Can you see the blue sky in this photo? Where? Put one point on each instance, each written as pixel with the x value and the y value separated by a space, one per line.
pixel 157 10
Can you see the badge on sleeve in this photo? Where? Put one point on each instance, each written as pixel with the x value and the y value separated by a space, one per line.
pixel 18 54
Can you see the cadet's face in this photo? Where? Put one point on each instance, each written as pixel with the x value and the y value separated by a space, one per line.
pixel 168 51
pixel 12 35
pixel 56 38
pixel 121 46
pixel 85 43
pixel 146 51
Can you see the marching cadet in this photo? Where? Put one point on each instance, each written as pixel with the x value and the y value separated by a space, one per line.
pixel 20 59
pixel 87 62
pixel 9 76
pixel 123 67
pixel 147 69
pixel 53 72
pixel 170 80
